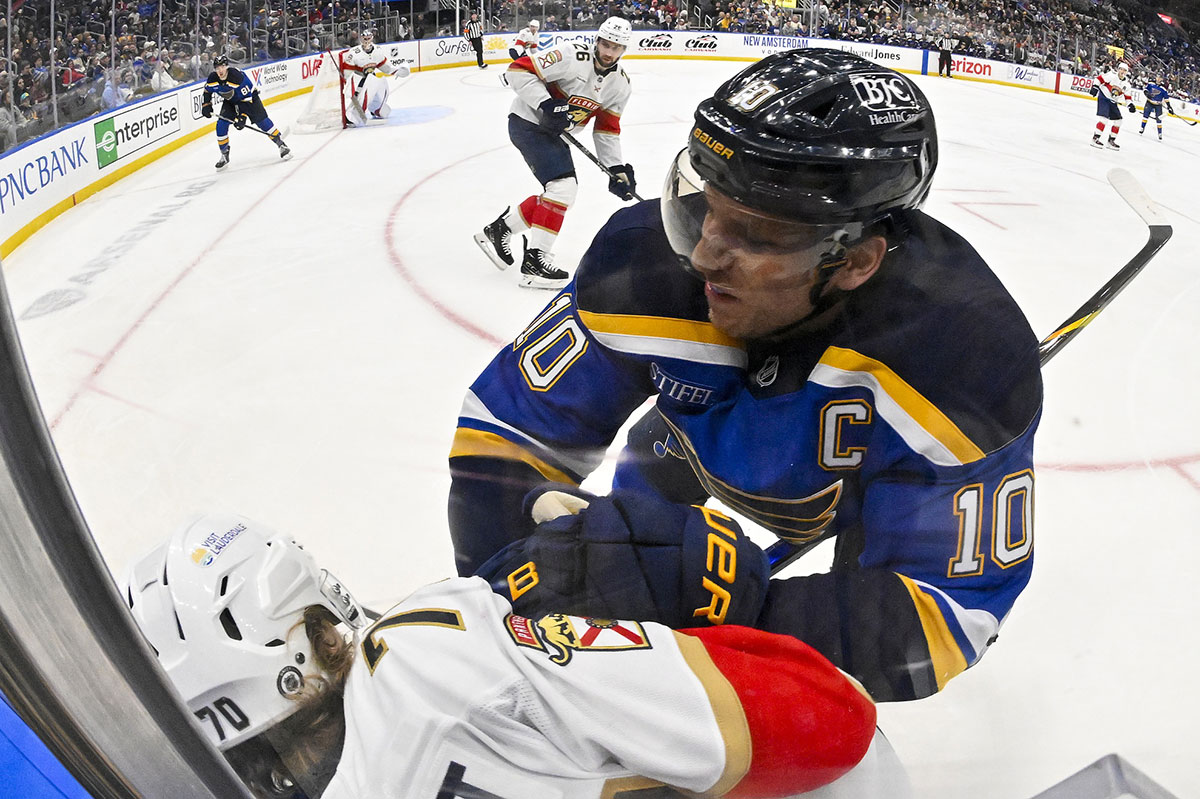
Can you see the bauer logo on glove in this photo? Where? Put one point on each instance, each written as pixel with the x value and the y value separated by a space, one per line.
pixel 631 556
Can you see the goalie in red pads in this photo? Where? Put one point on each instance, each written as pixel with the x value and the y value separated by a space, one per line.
pixel 451 694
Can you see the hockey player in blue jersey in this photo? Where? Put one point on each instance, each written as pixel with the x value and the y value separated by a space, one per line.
pixel 240 102
pixel 824 358
pixel 1155 97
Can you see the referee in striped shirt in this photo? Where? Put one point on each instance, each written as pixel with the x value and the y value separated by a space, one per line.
pixel 474 34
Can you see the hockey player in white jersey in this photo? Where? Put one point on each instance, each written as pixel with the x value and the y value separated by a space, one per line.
pixel 448 694
pixel 558 89
pixel 1113 93
pixel 367 69
pixel 527 40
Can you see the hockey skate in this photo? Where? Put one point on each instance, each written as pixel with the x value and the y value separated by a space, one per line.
pixel 1097 143
pixel 538 271
pixel 496 242
pixel 1112 144
pixel 285 152
pixel 224 161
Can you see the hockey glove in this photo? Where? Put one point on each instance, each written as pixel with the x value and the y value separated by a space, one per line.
pixel 240 122
pixel 555 115
pixel 1095 90
pixel 622 183
pixel 206 110
pixel 1132 108
pixel 630 556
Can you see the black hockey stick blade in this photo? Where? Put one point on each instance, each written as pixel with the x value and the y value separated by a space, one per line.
pixel 782 553
pixel 1160 232
pixel 574 142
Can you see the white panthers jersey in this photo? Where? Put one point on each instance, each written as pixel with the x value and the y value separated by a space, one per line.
pixel 567 71
pixel 1113 87
pixel 452 695
pixel 379 59
pixel 528 40
pixel 450 689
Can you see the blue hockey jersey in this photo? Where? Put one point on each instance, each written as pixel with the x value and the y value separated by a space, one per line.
pixel 1155 94
pixel 903 426
pixel 236 86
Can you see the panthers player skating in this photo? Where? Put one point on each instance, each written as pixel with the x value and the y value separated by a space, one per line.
pixel 367 68
pixel 558 89
pixel 239 102
pixel 526 42
pixel 449 694
pixel 824 358
pixel 1114 92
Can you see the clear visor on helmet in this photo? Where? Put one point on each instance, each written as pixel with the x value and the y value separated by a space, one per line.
pixel 692 211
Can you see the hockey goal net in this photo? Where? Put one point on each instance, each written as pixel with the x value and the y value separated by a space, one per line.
pixel 326 106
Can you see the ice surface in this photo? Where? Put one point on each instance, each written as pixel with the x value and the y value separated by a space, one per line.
pixel 292 340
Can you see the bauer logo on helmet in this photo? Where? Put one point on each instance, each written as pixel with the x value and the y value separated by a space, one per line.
pixel 712 144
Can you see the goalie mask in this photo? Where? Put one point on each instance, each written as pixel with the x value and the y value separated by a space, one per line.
pixel 222 604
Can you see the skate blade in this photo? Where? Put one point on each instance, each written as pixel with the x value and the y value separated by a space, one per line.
pixel 532 282
pixel 486 245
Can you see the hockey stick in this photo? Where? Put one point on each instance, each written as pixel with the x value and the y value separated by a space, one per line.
pixel 782 553
pixel 611 175
pixel 1160 232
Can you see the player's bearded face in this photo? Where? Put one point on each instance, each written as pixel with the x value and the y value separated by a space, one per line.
pixel 758 269
pixel 607 53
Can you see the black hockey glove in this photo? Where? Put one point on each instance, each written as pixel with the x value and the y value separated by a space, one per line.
pixel 240 122
pixel 206 110
pixel 1132 108
pixel 555 115
pixel 1095 90
pixel 622 183
pixel 630 556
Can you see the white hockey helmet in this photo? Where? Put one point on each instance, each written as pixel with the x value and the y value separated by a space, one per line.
pixel 616 30
pixel 367 36
pixel 222 603
pixel 534 24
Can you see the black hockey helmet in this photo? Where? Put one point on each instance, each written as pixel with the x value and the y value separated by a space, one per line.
pixel 817 136
pixel 221 61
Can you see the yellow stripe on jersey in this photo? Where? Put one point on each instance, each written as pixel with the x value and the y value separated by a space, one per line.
pixel 727 709
pixel 478 444
pixel 948 660
pixel 657 327
pixel 919 410
pixel 623 787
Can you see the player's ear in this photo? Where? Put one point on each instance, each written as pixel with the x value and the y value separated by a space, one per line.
pixel 862 261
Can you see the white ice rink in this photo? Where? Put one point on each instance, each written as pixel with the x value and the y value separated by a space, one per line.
pixel 292 341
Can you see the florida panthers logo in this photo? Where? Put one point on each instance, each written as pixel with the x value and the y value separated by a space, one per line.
pixel 561 636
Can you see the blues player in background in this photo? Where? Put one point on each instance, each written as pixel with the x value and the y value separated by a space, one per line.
pixel 239 102
pixel 824 359
pixel 1155 97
